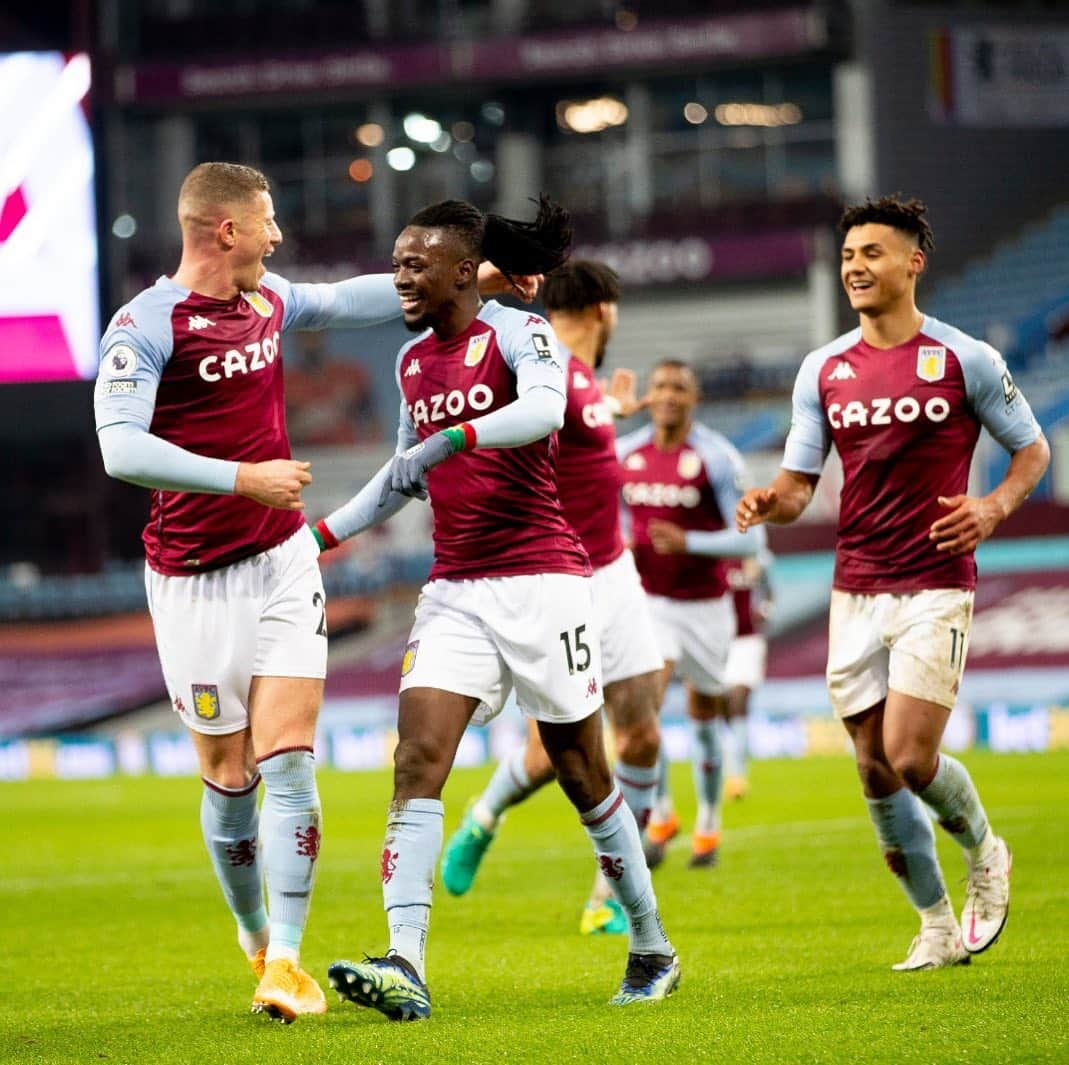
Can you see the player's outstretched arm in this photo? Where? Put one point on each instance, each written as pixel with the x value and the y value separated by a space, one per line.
pixel 372 505
pixel 133 454
pixel 972 520
pixel 531 416
pixel 779 503
pixel 492 282
pixel 668 538
pixel 371 299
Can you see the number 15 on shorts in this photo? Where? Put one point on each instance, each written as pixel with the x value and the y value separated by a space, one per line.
pixel 576 649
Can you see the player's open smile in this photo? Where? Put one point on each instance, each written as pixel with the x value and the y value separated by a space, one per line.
pixel 410 302
pixel 860 291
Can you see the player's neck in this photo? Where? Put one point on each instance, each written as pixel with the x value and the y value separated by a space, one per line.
pixel 893 327
pixel 456 318
pixel 665 438
pixel 578 339
pixel 206 277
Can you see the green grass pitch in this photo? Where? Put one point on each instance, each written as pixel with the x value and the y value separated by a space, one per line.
pixel 117 947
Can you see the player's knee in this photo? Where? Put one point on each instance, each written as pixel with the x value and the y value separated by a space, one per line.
pixel 231 777
pixel 639 742
pixel 586 784
pixel 878 777
pixel 419 771
pixel 915 766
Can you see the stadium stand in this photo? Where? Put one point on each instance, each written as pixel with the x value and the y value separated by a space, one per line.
pixel 1013 296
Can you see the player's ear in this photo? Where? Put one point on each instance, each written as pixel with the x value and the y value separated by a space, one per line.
pixel 466 273
pixel 918 262
pixel 227 233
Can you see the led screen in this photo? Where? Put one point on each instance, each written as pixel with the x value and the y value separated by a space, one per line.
pixel 49 306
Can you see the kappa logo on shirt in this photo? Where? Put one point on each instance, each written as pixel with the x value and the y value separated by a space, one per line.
pixel 412 368
pixel 197 322
pixel 635 462
pixel 580 380
pixel 842 372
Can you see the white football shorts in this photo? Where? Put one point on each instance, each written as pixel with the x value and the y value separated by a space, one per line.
pixel 628 642
pixel 695 634
pixel 535 632
pixel 261 617
pixel 747 657
pixel 914 644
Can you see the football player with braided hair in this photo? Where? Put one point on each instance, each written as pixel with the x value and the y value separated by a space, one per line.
pixel 508 603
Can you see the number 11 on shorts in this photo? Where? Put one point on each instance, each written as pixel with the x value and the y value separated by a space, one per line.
pixel 957 647
pixel 576 651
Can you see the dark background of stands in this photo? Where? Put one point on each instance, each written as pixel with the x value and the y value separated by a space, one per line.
pixel 61 512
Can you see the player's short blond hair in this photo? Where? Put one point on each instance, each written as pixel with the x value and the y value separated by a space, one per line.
pixel 210 190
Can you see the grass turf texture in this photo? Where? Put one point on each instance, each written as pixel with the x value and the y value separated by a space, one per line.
pixel 117 946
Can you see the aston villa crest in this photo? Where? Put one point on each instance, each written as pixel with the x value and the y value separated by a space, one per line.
pixel 689 465
pixel 206 701
pixel 260 304
pixel 931 362
pixel 476 349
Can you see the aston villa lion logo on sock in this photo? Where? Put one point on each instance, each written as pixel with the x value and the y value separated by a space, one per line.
pixel 896 861
pixel 308 842
pixel 243 852
pixel 611 868
pixel 206 701
pixel 389 864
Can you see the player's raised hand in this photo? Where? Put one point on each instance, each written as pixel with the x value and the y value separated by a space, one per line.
pixel 755 507
pixel 492 282
pixel 969 523
pixel 667 537
pixel 622 394
pixel 277 483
